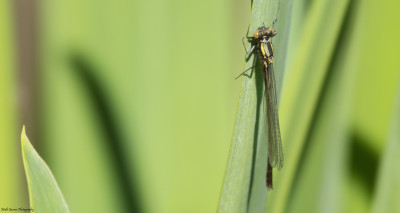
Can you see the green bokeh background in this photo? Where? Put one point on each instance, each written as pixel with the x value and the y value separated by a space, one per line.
pixel 137 100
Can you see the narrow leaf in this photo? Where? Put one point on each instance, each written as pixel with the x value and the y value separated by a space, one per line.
pixel 388 187
pixel 44 193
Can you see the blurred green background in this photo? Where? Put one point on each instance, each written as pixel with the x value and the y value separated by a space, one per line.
pixel 132 103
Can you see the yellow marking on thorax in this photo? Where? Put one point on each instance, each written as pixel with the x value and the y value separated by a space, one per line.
pixel 267 60
pixel 264 54
pixel 263 50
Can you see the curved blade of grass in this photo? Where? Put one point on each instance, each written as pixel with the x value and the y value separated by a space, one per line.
pixel 44 193
pixel 244 188
pixel 388 187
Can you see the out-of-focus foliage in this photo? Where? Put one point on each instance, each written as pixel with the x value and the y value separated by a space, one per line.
pixel 388 186
pixel 44 193
pixel 9 166
pixel 137 103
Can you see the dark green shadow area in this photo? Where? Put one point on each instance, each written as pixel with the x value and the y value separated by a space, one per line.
pixel 364 162
pixel 101 104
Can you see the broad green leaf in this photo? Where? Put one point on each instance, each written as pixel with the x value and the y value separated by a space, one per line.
pixel 44 193
pixel 244 188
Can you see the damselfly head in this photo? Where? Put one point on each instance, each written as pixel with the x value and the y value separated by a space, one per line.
pixel 264 32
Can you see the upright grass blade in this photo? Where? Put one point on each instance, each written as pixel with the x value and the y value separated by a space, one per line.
pixel 44 193
pixel 388 187
pixel 244 188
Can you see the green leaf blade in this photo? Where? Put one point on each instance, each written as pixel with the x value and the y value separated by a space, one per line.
pixel 44 193
pixel 244 187
pixel 388 185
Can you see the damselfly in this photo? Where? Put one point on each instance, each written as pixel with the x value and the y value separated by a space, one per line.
pixel 264 53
